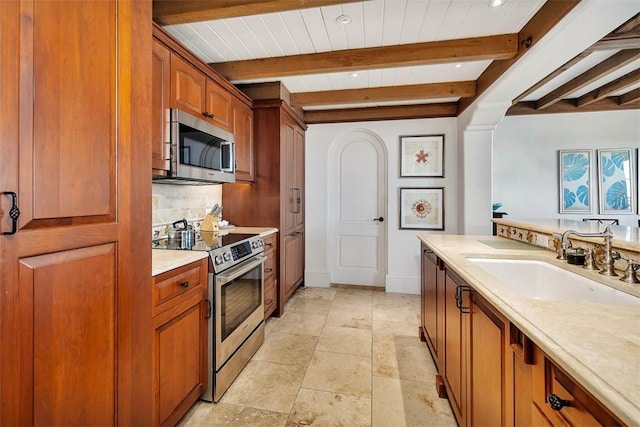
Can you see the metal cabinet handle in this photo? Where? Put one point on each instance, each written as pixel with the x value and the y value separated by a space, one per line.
pixel 268 270
pixel 269 301
pixel 381 219
pixel 459 299
pixel 14 213
pixel 556 402
pixel 185 284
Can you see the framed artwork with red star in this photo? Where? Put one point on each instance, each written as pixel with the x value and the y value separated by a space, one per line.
pixel 422 156
pixel 422 208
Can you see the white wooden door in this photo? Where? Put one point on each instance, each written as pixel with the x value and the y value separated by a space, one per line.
pixel 357 209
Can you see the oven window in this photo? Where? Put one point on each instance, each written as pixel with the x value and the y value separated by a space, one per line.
pixel 240 298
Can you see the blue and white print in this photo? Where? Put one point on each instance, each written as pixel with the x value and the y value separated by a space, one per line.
pixel 616 181
pixel 575 179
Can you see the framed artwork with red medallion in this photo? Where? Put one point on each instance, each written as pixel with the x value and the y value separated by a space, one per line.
pixel 422 156
pixel 422 208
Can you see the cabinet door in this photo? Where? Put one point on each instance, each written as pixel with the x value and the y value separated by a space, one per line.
pixel 218 106
pixel 160 102
pixel 74 277
pixel 487 338
pixel 455 351
pixel 298 162
pixel 243 133
pixel 292 261
pixel 428 301
pixel 288 198
pixel 180 348
pixel 188 87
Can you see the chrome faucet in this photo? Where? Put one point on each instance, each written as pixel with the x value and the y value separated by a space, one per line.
pixel 609 255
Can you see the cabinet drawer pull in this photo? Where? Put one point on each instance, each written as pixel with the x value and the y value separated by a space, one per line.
pixel 185 284
pixel 270 245
pixel 268 270
pixel 269 302
pixel 556 402
pixel 14 213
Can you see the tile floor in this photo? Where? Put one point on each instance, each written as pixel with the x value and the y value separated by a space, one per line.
pixel 337 357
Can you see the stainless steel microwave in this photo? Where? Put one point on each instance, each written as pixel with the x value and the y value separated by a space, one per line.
pixel 201 153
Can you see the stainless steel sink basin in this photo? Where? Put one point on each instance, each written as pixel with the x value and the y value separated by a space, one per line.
pixel 543 281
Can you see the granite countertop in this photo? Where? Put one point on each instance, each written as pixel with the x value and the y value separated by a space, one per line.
pixel 598 344
pixel 163 260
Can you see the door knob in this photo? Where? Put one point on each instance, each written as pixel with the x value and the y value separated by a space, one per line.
pixel 381 219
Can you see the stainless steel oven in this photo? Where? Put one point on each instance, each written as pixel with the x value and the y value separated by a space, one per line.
pixel 236 294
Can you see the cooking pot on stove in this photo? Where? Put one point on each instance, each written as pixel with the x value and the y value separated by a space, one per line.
pixel 182 234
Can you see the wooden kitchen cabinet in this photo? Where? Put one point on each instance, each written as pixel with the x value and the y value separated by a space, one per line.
pixel 243 133
pixel 160 104
pixel 218 106
pixel 188 87
pixel 276 197
pixel 270 274
pixel 180 340
pixel 432 307
pixel 573 405
pixel 74 277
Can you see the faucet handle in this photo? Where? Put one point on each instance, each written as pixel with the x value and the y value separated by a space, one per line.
pixel 615 255
pixel 630 275
pixel 590 260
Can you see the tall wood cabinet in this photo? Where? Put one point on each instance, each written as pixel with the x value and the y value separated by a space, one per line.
pixel 276 198
pixel 75 311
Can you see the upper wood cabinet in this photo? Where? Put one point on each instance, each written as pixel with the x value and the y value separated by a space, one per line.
pixel 75 314
pixel 242 117
pixel 218 106
pixel 188 87
pixel 160 104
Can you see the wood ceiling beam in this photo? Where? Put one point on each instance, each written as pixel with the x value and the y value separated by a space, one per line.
pixel 388 93
pixel 381 113
pixel 629 79
pixel 569 106
pixel 471 49
pixel 607 66
pixel 628 40
pixel 551 12
pixel 630 97
pixel 629 25
pixel 169 12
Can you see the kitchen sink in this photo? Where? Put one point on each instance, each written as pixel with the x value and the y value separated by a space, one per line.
pixel 543 281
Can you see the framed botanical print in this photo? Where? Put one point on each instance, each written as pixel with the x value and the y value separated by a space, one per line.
pixel 616 181
pixel 575 181
pixel 422 208
pixel 422 156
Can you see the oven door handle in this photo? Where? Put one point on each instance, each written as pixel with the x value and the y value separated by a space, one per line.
pixel 234 273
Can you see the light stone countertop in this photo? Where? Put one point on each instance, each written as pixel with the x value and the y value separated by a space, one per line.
pixel 163 260
pixel 597 344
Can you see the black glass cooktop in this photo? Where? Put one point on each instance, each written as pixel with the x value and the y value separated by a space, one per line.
pixel 204 241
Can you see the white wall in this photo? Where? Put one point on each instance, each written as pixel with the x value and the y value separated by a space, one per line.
pixel 525 158
pixel 403 261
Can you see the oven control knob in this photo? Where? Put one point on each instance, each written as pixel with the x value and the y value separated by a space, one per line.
pixel 260 243
pixel 218 259
pixel 254 245
pixel 227 256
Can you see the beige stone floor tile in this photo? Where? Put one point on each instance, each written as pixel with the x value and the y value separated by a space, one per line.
pixel 390 298
pixel 315 293
pixel 222 414
pixel 388 344
pixel 395 313
pixel 352 301
pixel 327 409
pixel 266 385
pixel 339 339
pixel 288 349
pixel 399 402
pixel 350 317
pixel 339 373
pixel 354 291
pixel 295 322
pixel 407 363
pixel 311 306
pixel 387 327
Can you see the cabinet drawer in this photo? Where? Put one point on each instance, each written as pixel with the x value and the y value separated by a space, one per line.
pixel 574 405
pixel 169 286
pixel 270 297
pixel 270 243
pixel 270 267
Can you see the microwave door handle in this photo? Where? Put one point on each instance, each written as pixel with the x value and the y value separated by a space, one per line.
pixel 229 149
pixel 239 271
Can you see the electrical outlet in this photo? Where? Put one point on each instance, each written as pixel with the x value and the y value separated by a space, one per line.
pixel 542 240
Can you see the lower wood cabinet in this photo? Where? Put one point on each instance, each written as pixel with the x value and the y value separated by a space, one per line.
pixel 180 340
pixel 493 374
pixel 270 274
pixel 292 262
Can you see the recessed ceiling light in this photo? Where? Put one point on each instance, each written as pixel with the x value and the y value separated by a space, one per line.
pixel 344 20
pixel 458 65
pixel 496 3
pixel 354 74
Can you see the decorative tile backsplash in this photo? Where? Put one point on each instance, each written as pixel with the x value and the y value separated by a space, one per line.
pixel 171 203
